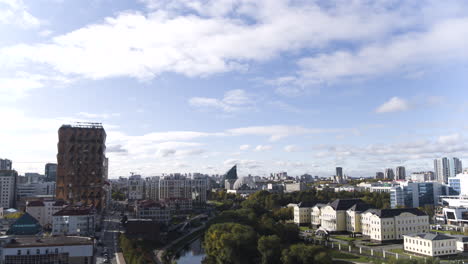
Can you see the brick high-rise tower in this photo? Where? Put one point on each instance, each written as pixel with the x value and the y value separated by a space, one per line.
pixel 81 164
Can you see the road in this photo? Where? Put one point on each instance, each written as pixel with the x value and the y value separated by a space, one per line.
pixel 108 238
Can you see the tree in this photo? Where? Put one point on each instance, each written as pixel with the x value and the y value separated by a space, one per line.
pixel 283 214
pixel 305 254
pixel 231 243
pixel 269 248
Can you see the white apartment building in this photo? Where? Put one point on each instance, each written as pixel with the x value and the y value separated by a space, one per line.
pixel 156 211
pixel 392 224
pixel 353 217
pixel 175 186
pixel 199 188
pixel 302 213
pixel 74 221
pixel 334 215
pixel 60 249
pixel 136 187
pixel 430 244
pixel 43 211
pixel 8 180
pixel 316 214
pixel 152 188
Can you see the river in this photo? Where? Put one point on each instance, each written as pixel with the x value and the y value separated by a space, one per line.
pixel 192 254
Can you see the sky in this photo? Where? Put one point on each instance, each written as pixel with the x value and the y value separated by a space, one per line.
pixel 270 85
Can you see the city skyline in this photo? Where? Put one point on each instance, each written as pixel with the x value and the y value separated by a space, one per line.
pixel 256 83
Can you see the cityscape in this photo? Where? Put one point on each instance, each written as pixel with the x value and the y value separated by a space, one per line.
pixel 233 132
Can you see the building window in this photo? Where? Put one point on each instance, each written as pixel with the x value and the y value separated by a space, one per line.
pixel 19 252
pixel 38 251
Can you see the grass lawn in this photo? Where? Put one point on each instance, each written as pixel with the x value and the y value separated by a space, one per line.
pixel 448 232
pixel 304 228
pixel 341 255
pixel 403 252
pixel 345 238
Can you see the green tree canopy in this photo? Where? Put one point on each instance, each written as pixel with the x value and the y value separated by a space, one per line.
pixel 231 243
pixel 269 248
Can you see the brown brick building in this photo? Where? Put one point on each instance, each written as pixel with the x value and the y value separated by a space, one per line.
pixel 82 164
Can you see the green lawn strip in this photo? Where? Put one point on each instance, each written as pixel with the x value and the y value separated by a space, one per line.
pixel 345 238
pixel 448 232
pixel 403 252
pixel 304 228
pixel 346 256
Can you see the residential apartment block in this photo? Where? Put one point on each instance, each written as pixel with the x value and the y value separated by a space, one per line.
pixel 75 220
pixel 43 210
pixel 302 213
pixel 8 183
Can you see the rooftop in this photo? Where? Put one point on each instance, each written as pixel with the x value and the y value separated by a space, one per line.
pixel 85 125
pixel 386 213
pixel 76 210
pixel 345 204
pixel 34 241
pixel 432 236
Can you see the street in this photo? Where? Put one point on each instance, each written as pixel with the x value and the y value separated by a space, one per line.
pixel 108 238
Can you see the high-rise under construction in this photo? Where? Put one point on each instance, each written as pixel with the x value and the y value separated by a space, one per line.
pixel 81 164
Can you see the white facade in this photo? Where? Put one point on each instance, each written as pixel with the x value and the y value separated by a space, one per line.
pixel 73 221
pixel 8 189
pixel 152 188
pixel 175 186
pixel 459 183
pixel 295 187
pixel 302 214
pixel 43 211
pixel 199 188
pixel 430 244
pixel 136 187
pixel 25 249
pixel 392 224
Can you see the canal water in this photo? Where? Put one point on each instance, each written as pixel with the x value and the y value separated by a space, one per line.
pixel 192 253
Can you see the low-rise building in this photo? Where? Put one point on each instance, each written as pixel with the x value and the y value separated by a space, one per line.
pixel 61 249
pixel 178 205
pixel 43 210
pixel 392 224
pixel 316 214
pixel 333 215
pixel 302 213
pixel 295 187
pixel 26 225
pixel 430 244
pixel 155 211
pixel 75 221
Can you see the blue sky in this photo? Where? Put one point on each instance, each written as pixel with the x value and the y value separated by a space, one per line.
pixel 197 86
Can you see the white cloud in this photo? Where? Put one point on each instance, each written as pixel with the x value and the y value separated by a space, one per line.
pixel 291 148
pixel 244 147
pixel 445 41
pixel 450 139
pixel 233 100
pixel 278 132
pixel 199 38
pixel 14 12
pixel 395 104
pixel 263 147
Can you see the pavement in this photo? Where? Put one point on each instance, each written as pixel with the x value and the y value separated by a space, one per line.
pixel 109 238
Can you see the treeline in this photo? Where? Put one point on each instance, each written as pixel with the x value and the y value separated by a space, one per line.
pixel 257 232
pixel 134 253
pixel 270 201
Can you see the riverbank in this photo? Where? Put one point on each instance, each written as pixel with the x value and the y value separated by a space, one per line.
pixel 166 254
